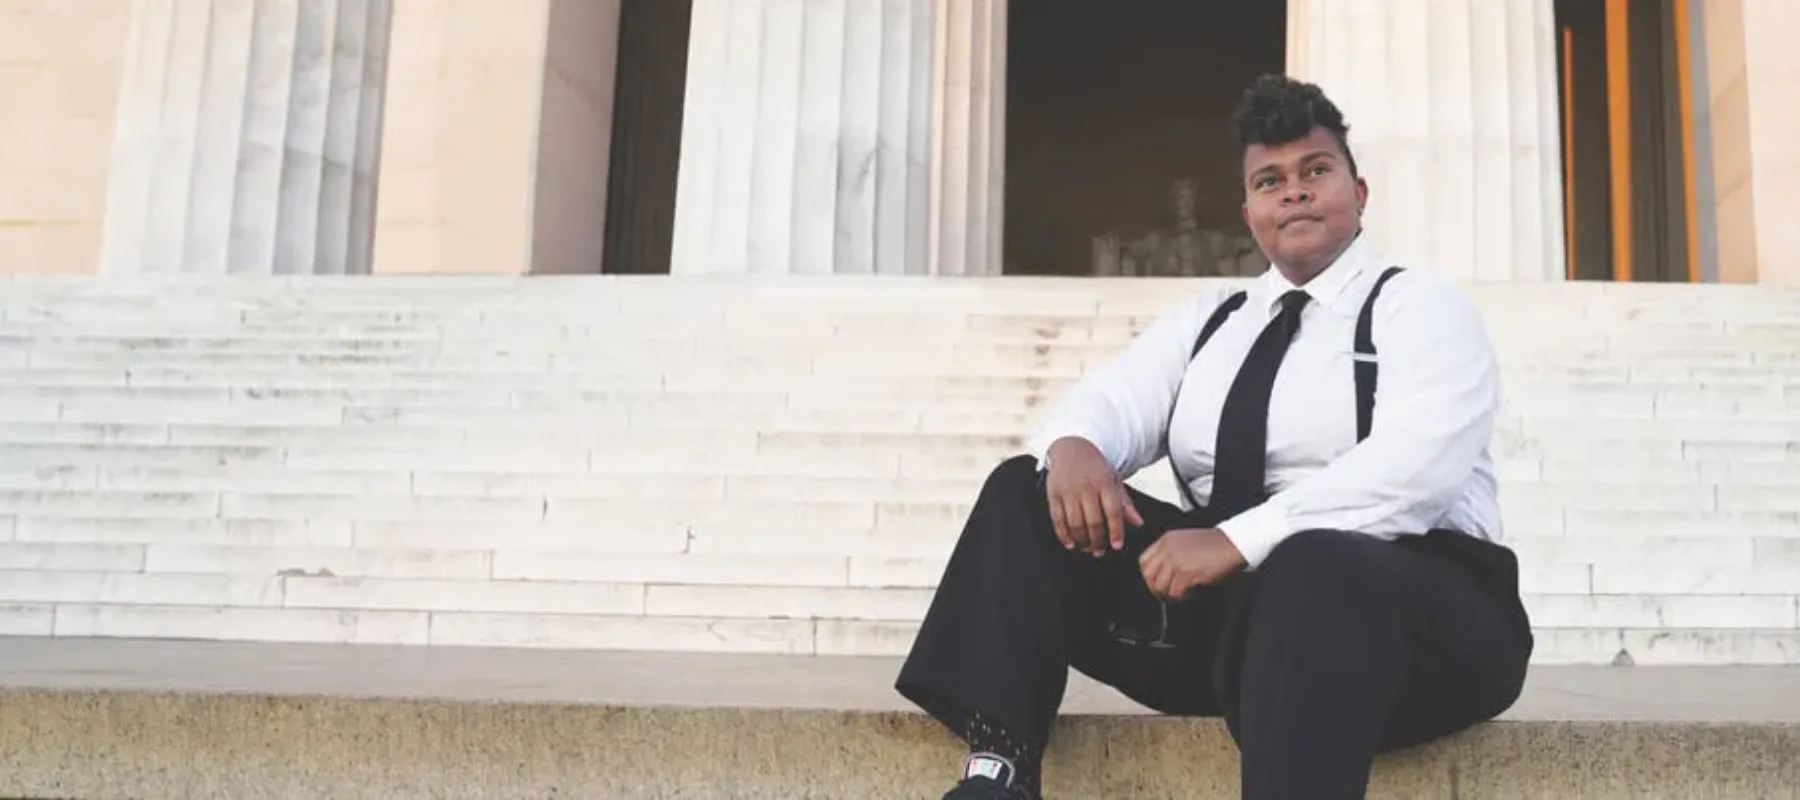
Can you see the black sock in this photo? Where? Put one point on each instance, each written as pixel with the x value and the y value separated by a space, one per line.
pixel 988 737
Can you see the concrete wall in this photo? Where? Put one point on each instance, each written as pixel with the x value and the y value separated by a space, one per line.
pixel 1772 77
pixel 495 153
pixel 574 137
pixel 1753 77
pixel 1733 190
pixel 458 162
pixel 60 62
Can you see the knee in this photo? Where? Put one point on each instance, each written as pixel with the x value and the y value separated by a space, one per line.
pixel 1331 567
pixel 1012 501
pixel 1014 475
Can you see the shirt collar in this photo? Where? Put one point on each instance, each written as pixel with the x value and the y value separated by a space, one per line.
pixel 1325 287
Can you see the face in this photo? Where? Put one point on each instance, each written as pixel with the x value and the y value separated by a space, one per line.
pixel 1301 203
pixel 1184 198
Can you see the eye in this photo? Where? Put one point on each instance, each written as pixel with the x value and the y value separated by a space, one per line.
pixel 1264 182
pixel 1319 169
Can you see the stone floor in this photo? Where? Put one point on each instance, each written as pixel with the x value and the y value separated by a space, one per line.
pixel 635 678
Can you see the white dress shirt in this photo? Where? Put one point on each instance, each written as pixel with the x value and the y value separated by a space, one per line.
pixel 1426 463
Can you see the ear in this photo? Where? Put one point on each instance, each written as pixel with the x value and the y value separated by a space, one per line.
pixel 1362 193
pixel 1244 211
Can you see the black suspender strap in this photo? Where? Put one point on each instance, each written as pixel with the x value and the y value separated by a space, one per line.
pixel 1217 319
pixel 1363 368
pixel 1364 353
pixel 1225 309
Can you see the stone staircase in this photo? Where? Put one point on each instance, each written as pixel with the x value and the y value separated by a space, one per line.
pixel 549 479
pixel 776 467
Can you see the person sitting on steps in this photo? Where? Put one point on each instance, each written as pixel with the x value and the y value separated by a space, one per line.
pixel 1334 584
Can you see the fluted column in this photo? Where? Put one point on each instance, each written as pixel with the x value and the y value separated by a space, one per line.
pixel 968 143
pixel 248 132
pixel 805 138
pixel 1452 106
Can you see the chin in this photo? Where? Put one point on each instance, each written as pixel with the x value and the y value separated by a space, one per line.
pixel 1306 249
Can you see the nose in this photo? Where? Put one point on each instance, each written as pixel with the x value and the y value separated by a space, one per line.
pixel 1296 195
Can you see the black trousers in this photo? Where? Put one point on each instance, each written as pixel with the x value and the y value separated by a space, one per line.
pixel 1337 647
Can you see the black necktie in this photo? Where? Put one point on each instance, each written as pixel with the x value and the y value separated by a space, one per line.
pixel 1239 459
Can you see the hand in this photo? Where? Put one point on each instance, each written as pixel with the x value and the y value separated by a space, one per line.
pixel 1089 507
pixel 1188 557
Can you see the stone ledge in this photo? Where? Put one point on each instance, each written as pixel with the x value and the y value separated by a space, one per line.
pixel 161 719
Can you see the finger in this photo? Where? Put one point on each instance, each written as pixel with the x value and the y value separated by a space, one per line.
pixel 1077 521
pixel 1115 518
pixel 1073 520
pixel 1150 554
pixel 1136 519
pixel 1157 578
pixel 1180 583
pixel 1150 564
pixel 1096 521
pixel 1059 521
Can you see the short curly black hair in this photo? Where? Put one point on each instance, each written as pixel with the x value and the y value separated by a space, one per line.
pixel 1276 109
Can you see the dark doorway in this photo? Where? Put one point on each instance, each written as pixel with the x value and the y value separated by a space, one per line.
pixel 646 135
pixel 1627 140
pixel 1118 122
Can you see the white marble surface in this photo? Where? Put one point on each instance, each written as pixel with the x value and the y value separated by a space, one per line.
pixel 1452 107
pixel 806 138
pixel 247 138
pixel 968 142
pixel 779 465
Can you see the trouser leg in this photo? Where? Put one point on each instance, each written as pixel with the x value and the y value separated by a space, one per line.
pixel 1014 609
pixel 1348 646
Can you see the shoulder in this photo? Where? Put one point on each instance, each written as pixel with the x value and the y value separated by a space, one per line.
pixel 1421 283
pixel 1426 301
pixel 1421 289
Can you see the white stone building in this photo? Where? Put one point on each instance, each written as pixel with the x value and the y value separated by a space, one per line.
pixel 1505 140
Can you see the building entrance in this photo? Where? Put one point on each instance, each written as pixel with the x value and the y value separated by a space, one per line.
pixel 1120 158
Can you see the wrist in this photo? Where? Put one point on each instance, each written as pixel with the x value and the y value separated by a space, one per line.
pixel 1068 445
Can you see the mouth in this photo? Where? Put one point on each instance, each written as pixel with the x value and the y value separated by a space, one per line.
pixel 1300 218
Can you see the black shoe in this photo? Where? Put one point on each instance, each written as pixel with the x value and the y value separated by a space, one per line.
pixel 988 777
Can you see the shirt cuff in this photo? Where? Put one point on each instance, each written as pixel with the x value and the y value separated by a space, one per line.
pixel 1256 532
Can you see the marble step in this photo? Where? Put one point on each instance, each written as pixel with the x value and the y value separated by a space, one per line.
pixel 331 500
pixel 46 345
pixel 943 432
pixel 53 465
pixel 1599 563
pixel 397 297
pixel 35 467
pixel 739 585
pixel 1672 389
pixel 1010 406
pixel 42 475
pixel 543 330
pixel 1552 536
pixel 1597 644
